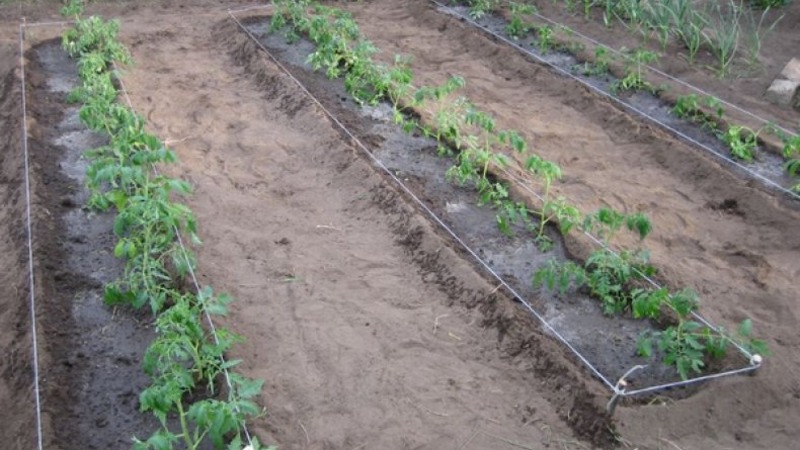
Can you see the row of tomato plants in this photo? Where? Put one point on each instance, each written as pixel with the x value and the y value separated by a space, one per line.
pixel 479 148
pixel 190 383
pixel 741 140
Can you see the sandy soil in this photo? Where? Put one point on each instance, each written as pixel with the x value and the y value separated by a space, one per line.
pixel 743 261
pixel 16 380
pixel 340 282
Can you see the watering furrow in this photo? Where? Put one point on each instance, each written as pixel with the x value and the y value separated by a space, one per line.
pixel 95 351
pixel 196 400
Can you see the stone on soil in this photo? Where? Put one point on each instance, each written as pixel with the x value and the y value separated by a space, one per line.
pixel 781 92
pixel 792 70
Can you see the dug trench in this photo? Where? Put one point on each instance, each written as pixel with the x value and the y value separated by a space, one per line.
pixel 370 330
pixel 91 381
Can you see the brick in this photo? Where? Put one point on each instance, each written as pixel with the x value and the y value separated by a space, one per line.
pixel 781 92
pixel 792 70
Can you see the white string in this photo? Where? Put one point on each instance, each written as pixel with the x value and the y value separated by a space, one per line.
pixel 619 101
pixel 47 24
pixel 486 266
pixel 29 227
pixel 690 381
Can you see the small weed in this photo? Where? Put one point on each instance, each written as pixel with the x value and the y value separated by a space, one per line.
pixel 597 68
pixel 479 8
pixel 790 151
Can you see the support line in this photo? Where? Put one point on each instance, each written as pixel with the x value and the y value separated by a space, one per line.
pixel 29 229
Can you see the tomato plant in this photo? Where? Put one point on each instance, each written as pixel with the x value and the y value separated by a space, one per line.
pixel 473 137
pixel 517 27
pixel 634 80
pixel 742 142
pixel 121 176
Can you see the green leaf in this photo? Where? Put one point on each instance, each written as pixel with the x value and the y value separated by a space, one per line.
pixel 684 301
pixel 746 328
pixel 644 346
pixel 503 224
pixel 759 347
pixel 120 250
pixel 161 440
pixel 640 223
pixel 230 363
pixel 647 303
pixel 236 443
pixel 249 388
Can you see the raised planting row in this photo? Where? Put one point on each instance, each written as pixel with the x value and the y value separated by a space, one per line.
pixel 191 382
pixel 703 118
pixel 619 280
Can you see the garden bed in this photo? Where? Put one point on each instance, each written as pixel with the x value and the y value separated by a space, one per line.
pixel 94 373
pixel 744 86
pixel 370 327
pixel 608 342
pixel 767 165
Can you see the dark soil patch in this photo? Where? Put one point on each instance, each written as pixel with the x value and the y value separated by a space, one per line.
pixel 94 376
